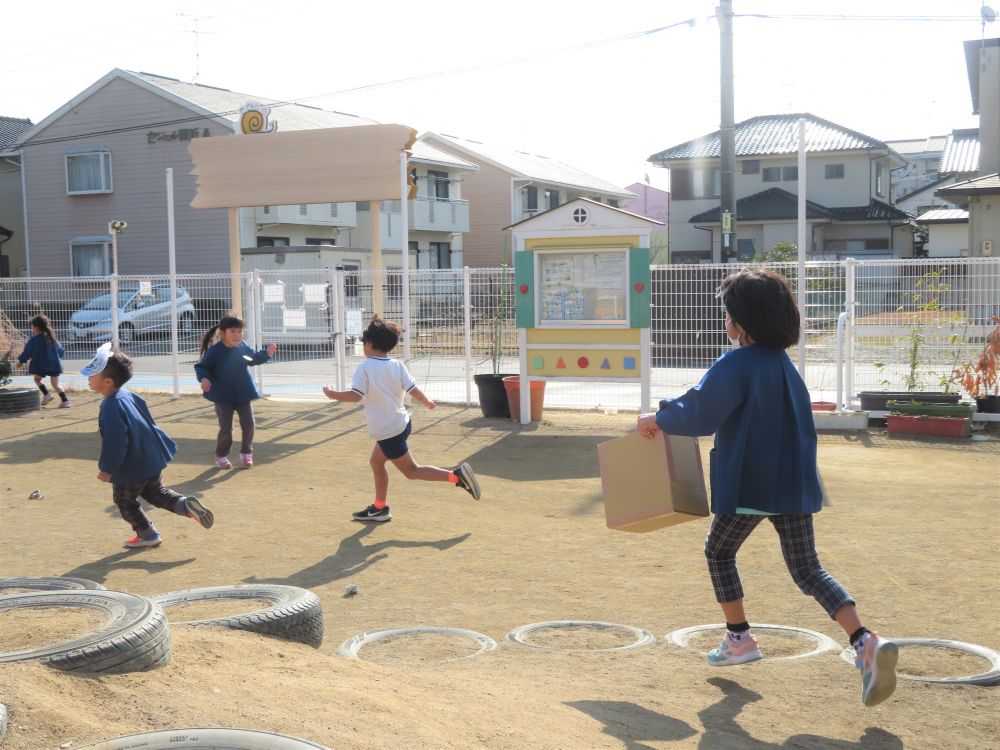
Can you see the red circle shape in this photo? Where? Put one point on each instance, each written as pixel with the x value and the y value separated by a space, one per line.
pixel 523 288
pixel 640 286
pixel 583 363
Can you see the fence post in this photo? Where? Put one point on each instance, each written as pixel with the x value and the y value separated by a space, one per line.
pixel 256 319
pixel 340 305
pixel 850 298
pixel 467 320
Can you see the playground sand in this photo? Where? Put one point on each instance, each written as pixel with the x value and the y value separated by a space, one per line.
pixel 911 531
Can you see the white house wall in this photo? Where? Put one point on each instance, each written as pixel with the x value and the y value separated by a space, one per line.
pixel 947 240
pixel 138 176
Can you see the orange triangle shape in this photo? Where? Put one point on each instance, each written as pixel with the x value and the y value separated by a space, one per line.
pixel 560 364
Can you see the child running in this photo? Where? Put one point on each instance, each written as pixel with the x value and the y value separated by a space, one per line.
pixel 224 374
pixel 45 352
pixel 383 383
pixel 763 465
pixel 134 451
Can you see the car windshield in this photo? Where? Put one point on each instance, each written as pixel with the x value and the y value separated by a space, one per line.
pixel 104 301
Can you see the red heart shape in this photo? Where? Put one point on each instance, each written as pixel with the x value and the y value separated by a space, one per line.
pixel 640 286
pixel 523 288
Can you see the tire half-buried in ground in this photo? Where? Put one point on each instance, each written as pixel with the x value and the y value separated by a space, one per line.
pixel 990 677
pixel 824 643
pixel 205 739
pixel 135 638
pixel 47 583
pixel 352 646
pixel 294 614
pixel 642 637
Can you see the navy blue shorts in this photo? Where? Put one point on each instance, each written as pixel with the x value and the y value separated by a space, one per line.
pixel 396 447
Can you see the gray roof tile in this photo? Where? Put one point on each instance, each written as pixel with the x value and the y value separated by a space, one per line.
pixel 11 128
pixel 774 134
pixel 773 204
pixel 961 153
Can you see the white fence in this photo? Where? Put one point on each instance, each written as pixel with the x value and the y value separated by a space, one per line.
pixel 906 324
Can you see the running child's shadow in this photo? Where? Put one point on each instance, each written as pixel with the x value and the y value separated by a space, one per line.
pixel 632 724
pixel 98 570
pixel 351 558
pixel 721 729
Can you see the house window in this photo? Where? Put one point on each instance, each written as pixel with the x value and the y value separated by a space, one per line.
pixel 771 174
pixel 751 166
pixel 529 199
pixel 613 202
pixel 789 174
pixel 88 172
pixel 315 241
pixel 352 286
pixel 90 257
pixel 440 254
pixel 707 182
pixel 933 165
pixel 272 242
pixel 267 210
pixel 834 171
pixel 440 185
pixel 746 249
pixel 551 199
pixel 580 215
pixel 394 284
pixel 881 243
pixel 333 210
pixel 879 179
pixel 303 209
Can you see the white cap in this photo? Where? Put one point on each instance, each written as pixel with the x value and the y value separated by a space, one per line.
pixel 97 364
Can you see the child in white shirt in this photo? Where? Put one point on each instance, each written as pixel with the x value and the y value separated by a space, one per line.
pixel 383 383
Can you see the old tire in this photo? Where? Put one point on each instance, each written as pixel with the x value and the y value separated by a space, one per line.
pixel 136 637
pixel 205 739
pixel 46 583
pixel 3 721
pixel 295 614
pixel 19 400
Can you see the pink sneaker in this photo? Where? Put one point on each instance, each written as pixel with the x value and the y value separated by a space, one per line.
pixel 877 662
pixel 732 651
pixel 222 462
pixel 246 459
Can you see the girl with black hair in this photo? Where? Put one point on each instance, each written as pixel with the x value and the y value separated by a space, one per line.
pixel 45 353
pixel 224 374
pixel 763 465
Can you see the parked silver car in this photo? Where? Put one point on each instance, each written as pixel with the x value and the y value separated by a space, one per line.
pixel 137 313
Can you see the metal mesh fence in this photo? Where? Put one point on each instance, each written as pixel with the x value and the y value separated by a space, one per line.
pixel 906 324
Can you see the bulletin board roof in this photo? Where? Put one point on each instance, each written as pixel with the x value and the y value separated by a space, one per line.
pixel 326 165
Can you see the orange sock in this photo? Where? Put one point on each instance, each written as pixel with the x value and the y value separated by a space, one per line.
pixel 453 477
pixel 379 504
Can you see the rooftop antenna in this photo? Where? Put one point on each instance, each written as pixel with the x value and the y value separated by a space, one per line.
pixel 196 33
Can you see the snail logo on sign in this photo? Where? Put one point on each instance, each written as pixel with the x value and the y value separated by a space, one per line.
pixel 254 118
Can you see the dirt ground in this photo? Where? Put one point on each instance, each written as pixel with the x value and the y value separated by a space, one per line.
pixel 911 530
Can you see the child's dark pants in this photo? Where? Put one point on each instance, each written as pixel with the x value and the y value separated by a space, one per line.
pixel 152 491
pixel 798 546
pixel 224 442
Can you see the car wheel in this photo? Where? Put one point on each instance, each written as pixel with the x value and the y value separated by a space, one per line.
pixel 186 323
pixel 126 332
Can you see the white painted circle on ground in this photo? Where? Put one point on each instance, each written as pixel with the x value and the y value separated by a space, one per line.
pixel 642 637
pixel 990 677
pixel 352 646
pixel 824 643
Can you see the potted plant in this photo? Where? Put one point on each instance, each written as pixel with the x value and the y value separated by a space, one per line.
pixel 492 393
pixel 980 376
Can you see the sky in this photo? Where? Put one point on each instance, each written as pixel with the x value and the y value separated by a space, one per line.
pixel 580 81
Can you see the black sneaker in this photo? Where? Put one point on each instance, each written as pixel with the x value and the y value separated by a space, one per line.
pixel 467 480
pixel 373 514
pixel 199 512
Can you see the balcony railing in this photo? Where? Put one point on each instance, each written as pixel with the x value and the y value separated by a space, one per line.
pixel 435 214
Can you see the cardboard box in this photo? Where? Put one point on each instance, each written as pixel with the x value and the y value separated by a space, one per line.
pixel 649 484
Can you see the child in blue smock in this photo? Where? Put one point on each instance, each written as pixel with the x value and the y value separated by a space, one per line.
pixel 224 374
pixel 45 352
pixel 134 451
pixel 763 465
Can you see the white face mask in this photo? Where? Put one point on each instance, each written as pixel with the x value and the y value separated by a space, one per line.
pixel 735 343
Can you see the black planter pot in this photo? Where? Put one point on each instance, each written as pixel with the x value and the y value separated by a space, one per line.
pixel 988 405
pixel 877 400
pixel 492 395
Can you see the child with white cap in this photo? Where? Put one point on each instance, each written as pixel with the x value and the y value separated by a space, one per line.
pixel 134 451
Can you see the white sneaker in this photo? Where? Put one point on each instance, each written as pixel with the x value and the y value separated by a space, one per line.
pixel 64 405
pixel 46 398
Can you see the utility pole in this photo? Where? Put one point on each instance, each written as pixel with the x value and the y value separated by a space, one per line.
pixel 727 129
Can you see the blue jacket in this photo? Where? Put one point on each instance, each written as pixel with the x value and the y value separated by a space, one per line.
pixel 764 458
pixel 229 372
pixel 133 448
pixel 45 358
